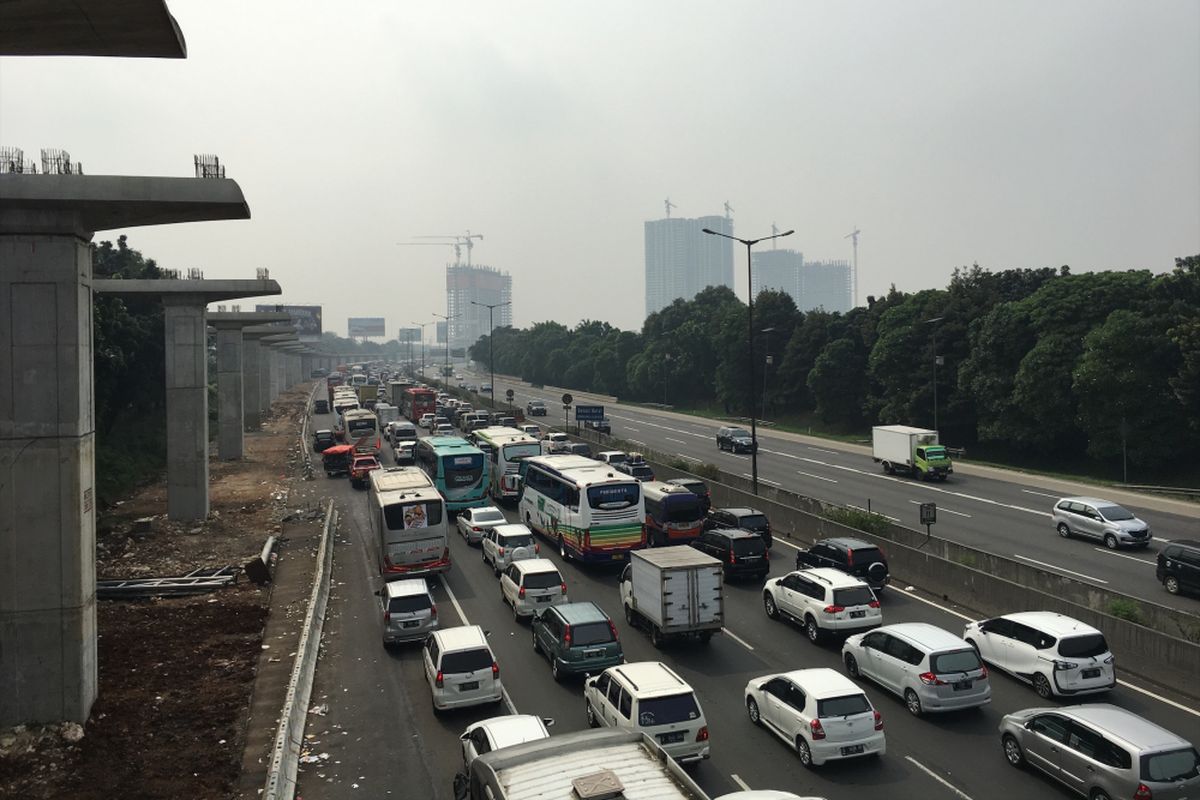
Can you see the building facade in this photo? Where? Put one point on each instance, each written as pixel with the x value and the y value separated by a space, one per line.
pixel 480 284
pixel 682 260
pixel 828 285
pixel 778 270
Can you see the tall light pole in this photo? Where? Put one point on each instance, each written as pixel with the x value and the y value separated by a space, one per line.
pixel 422 326
pixel 750 285
pixel 446 370
pixel 766 363
pixel 491 340
pixel 936 359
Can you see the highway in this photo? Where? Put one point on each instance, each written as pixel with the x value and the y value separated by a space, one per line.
pixel 1002 512
pixel 381 736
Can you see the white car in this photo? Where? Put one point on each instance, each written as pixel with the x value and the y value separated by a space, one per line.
pixel 444 429
pixel 472 522
pixel 650 697
pixel 556 443
pixel 819 712
pixel 492 734
pixel 1056 654
pixel 504 544
pixel 532 584
pixel 533 430
pixel 461 669
pixel 426 420
pixel 823 600
pixel 402 451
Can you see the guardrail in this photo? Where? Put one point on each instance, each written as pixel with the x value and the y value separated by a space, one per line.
pixel 285 755
pixel 1172 490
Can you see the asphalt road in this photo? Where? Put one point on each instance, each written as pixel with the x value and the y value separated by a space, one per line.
pixel 381 736
pixel 1005 513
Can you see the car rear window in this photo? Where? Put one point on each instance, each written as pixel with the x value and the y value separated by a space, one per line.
pixel 696 487
pixel 749 547
pixel 865 555
pixel 542 580
pixel 488 516
pixel 591 633
pixel 409 602
pixel 667 710
pixel 519 540
pixel 466 661
pixel 1174 765
pixel 843 706
pixel 753 522
pixel 853 596
pixel 966 660
pixel 1088 645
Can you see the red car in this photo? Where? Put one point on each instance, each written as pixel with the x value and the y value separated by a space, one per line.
pixel 360 467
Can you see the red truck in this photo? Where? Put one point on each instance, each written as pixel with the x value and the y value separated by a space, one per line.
pixel 360 468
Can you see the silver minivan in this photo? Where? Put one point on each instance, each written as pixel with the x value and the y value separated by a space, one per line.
pixel 1103 520
pixel 931 668
pixel 409 613
pixel 1101 750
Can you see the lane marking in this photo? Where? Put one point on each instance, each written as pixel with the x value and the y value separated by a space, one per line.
pixel 635 441
pixel 761 479
pixel 512 708
pixel 823 450
pixel 1108 552
pixel 1042 494
pixel 738 639
pixel 741 783
pixel 777 453
pixel 635 430
pixel 676 441
pixel 943 508
pixel 689 458
pixel 962 795
pixel 734 455
pixel 818 477
pixel 1055 568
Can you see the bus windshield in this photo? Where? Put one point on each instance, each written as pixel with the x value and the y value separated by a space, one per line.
pixel 463 470
pixel 515 452
pixel 612 496
pixel 361 427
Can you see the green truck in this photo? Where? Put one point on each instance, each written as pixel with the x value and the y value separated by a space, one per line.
pixel 913 451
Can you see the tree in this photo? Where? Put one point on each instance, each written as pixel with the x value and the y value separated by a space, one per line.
pixel 838 382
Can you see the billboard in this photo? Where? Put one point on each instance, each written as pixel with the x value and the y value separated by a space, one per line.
pixel 306 319
pixel 364 327
pixel 408 335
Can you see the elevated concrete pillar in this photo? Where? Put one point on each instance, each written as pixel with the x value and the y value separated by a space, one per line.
pixel 251 402
pixel 230 370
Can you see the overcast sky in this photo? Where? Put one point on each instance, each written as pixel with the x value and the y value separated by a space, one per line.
pixel 1014 134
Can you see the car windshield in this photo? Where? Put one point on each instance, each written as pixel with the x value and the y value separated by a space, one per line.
pixel 966 660
pixel 740 433
pixel 488 515
pixel 1115 513
pixel 591 633
pixel 516 540
pixel 1175 765
pixel 749 547
pixel 753 522
pixel 1086 646
pixel 853 596
pixel 667 710
pixel 409 602
pixel 542 580
pixel 843 706
pixel 466 661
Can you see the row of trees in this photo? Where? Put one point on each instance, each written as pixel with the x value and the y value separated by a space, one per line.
pixel 1038 361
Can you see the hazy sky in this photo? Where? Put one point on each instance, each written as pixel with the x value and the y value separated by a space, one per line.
pixel 1015 134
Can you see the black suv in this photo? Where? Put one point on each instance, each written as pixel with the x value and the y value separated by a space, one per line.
pixel 853 556
pixel 735 440
pixel 696 487
pixel 743 553
pixel 747 519
pixel 535 408
pixel 1179 566
pixel 323 440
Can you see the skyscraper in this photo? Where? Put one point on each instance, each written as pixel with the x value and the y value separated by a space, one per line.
pixel 778 270
pixel 682 261
pixel 480 284
pixel 826 284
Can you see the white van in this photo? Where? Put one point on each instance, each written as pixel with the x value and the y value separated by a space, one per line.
pixel 1056 654
pixel 461 668
pixel 649 696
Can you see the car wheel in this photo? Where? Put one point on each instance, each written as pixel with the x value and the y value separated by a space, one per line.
pixel 562 548
pixel 1064 531
pixel 495 569
pixel 516 616
pixel 656 637
pixel 1110 541
pixel 769 606
pixel 1012 751
pixel 852 666
pixel 912 702
pixel 1171 584
pixel 555 672
pixel 537 647
pixel 812 629
pixel 591 716
pixel 1099 794
pixel 1041 685
pixel 804 752
pixel 629 618
pixel 752 710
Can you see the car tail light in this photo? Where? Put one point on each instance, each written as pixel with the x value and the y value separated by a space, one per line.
pixel 815 728
pixel 438 682
pixel 537 548
pixel 446 554
pixel 613 629
pixel 834 609
pixel 587 537
pixel 496 671
pixel 521 593
pixel 433 610
pixel 1142 792
pixel 732 557
pixel 929 679
pixel 702 734
pixel 501 552
pixel 878 721
pixel 567 635
pixel 563 586
pixel 850 556
pixel 476 528
pixel 873 604
pixel 983 673
pixel 767 555
pixel 387 617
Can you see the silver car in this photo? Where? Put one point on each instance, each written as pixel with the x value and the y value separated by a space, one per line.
pixel 409 613
pixel 1102 751
pixel 1102 520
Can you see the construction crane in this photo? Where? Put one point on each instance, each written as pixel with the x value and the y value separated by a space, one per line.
pixel 460 241
pixel 728 209
pixel 457 247
pixel 670 205
pixel 853 237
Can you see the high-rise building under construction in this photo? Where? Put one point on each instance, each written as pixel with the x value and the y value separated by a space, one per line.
pixel 484 285
pixel 682 261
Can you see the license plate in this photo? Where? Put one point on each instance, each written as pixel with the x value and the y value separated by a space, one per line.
pixel 412 624
pixel 466 687
pixel 671 738
pixel 1094 672
pixel 852 750
pixel 592 653
pixel 618 557
pixel 542 599
pixel 857 614
pixel 961 685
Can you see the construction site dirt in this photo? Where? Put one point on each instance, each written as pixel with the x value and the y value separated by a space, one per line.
pixel 176 674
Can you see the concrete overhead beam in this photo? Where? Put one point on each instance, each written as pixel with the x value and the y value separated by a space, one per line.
pixel 128 28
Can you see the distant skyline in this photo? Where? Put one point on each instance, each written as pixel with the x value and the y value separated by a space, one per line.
pixel 1016 134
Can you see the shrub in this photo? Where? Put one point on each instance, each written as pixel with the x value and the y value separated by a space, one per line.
pixel 859 520
pixel 710 471
pixel 1126 609
pixel 680 464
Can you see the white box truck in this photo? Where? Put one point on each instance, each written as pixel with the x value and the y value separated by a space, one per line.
pixel 674 592
pixel 913 451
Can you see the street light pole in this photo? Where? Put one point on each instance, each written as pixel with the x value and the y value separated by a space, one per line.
pixel 750 296
pixel 491 341
pixel 447 318
pixel 936 357
pixel 422 325
pixel 766 363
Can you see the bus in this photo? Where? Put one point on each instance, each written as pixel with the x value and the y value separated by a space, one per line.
pixel 409 524
pixel 415 402
pixel 457 468
pixel 361 429
pixel 589 510
pixel 673 514
pixel 506 447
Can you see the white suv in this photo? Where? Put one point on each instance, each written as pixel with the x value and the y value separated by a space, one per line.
pixel 504 544
pixel 461 669
pixel 531 585
pixel 1057 654
pixel 823 600
pixel 650 697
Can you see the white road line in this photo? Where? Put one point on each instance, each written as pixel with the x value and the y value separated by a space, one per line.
pixel 676 441
pixel 963 795
pixel 818 477
pixel 1041 494
pixel 1055 568
pixel 635 441
pixel 822 450
pixel 943 508
pixel 512 708
pixel 741 783
pixel 689 458
pixel 734 455
pixel 635 430
pixel 737 639
pixel 786 543
pixel 1108 552
pixel 761 479
pixel 778 453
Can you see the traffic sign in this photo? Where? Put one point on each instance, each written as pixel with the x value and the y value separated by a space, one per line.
pixel 509 395
pixel 589 413
pixel 567 399
pixel 928 513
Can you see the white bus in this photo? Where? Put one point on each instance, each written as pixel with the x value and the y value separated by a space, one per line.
pixel 589 510
pixel 362 430
pixel 506 447
pixel 408 523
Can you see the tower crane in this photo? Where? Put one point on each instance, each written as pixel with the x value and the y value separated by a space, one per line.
pixel 853 237
pixel 460 241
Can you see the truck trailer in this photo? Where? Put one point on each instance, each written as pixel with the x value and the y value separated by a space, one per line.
pixel 913 451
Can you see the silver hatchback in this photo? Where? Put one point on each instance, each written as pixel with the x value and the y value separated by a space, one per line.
pixel 1101 750
pixel 1102 520
pixel 409 613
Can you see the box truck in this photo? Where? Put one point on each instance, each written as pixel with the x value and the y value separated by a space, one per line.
pixel 674 592
pixel 914 451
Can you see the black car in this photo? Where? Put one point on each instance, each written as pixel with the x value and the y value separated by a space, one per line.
pixel 640 470
pixel 320 406
pixel 743 553
pixel 581 449
pixel 323 440
pixel 735 440
pixel 747 519
pixel 852 556
pixel 696 487
pixel 1179 566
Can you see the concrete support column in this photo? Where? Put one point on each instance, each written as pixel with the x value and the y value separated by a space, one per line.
pixel 294 370
pixel 251 388
pixel 230 398
pixel 47 473
pixel 278 380
pixel 187 408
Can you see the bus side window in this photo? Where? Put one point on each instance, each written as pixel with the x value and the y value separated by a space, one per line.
pixel 572 498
